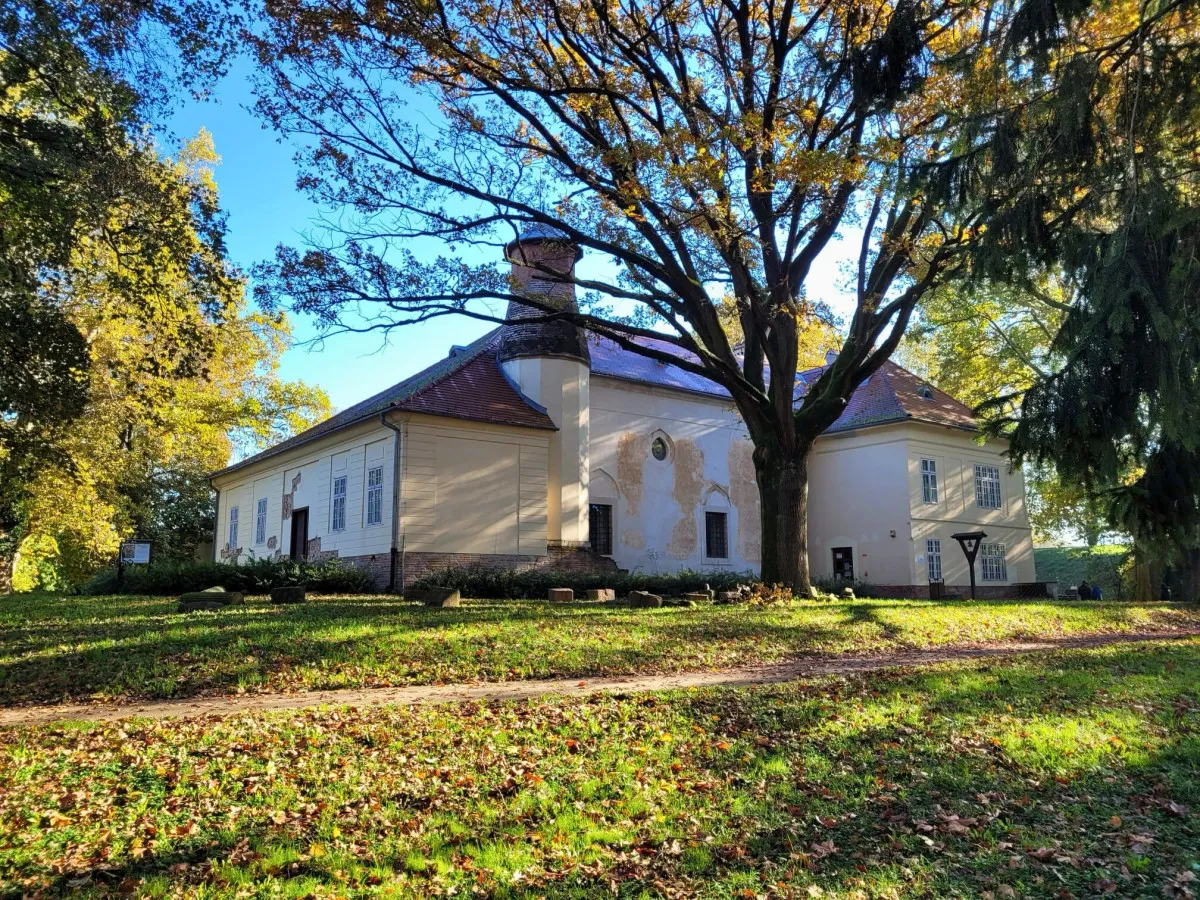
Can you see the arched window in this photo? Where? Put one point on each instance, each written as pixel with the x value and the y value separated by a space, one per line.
pixel 661 447
pixel 717 525
pixel 602 512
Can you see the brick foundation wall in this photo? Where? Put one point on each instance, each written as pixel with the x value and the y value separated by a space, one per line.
pixel 418 565
pixel 377 564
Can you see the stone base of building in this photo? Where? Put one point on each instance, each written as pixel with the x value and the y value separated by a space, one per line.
pixel 377 565
pixel 418 565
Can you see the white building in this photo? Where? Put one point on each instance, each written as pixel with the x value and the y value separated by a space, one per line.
pixel 537 446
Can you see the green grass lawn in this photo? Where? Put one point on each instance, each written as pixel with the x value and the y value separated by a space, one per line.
pixel 1074 774
pixel 57 648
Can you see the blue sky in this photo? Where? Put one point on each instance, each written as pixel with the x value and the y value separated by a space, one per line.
pixel 257 179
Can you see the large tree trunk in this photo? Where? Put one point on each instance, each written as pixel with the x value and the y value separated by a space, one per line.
pixel 783 494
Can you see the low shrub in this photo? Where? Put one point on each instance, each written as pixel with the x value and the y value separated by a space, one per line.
pixel 331 576
pixel 509 584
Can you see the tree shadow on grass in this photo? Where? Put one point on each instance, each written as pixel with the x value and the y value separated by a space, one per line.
pixel 140 649
pixel 862 764
pixel 912 779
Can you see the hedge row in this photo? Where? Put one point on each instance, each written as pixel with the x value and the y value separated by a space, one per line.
pixel 258 577
pixel 508 584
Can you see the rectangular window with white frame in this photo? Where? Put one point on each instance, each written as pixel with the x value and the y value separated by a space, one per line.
pixel 338 519
pixel 933 558
pixel 260 522
pixel 929 481
pixel 987 487
pixel 993 564
pixel 375 495
pixel 233 528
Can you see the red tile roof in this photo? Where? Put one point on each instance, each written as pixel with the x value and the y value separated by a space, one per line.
pixel 467 385
pixel 479 391
pixel 893 394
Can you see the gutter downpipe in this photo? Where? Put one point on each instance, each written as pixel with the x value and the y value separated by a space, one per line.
pixel 397 552
pixel 216 520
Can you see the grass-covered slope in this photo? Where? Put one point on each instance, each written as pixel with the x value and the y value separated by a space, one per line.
pixel 54 648
pixel 1068 776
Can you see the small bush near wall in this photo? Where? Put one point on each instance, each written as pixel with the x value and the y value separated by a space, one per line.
pixel 508 584
pixel 329 577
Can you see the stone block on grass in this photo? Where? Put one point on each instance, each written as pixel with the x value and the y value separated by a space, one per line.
pixel 697 597
pixel 602 595
pixel 644 600
pixel 562 595
pixel 289 594
pixel 210 599
pixel 445 598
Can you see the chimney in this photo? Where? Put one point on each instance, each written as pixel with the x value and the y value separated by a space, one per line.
pixel 538 256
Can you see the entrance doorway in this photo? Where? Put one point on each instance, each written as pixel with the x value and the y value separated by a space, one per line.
pixel 843 563
pixel 300 534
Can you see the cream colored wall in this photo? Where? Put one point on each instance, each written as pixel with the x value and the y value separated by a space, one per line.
pixel 858 498
pixel 473 488
pixel 867 484
pixel 956 454
pixel 562 387
pixel 350 453
pixel 658 507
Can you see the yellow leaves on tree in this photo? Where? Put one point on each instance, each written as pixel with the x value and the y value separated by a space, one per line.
pixel 179 380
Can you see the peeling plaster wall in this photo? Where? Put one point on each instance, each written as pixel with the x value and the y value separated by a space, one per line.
pixel 743 494
pixel 658 520
pixel 302 478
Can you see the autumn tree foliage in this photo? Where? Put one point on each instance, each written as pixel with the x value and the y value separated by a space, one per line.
pixel 129 359
pixel 173 390
pixel 705 148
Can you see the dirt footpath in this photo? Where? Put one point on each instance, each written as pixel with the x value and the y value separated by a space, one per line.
pixel 801 667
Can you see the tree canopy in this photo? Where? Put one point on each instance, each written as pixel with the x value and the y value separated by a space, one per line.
pixel 706 148
pixel 77 82
pixel 137 458
pixel 126 346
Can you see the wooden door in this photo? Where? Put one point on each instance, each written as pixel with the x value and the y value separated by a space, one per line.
pixel 843 563
pixel 300 533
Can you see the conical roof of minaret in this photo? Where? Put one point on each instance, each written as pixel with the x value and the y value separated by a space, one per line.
pixel 536 255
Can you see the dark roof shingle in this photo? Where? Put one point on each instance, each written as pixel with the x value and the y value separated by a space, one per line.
pixel 471 385
pixel 891 394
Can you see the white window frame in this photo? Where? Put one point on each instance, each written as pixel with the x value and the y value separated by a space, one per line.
pixel 993 564
pixel 375 495
pixel 231 537
pixel 260 521
pixel 929 480
pixel 988 493
pixel 337 514
pixel 933 559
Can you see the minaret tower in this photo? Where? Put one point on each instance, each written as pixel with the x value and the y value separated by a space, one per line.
pixel 551 364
